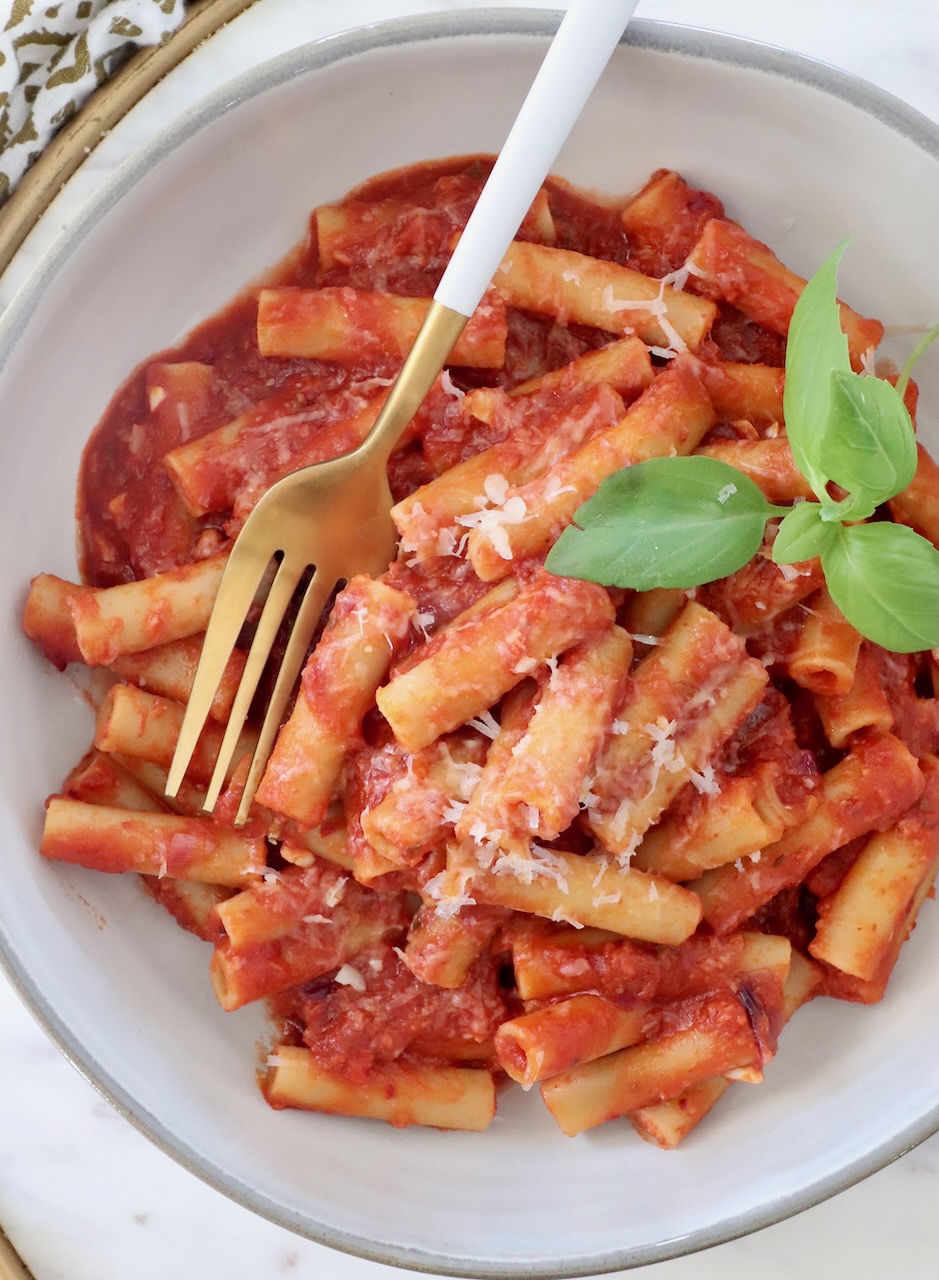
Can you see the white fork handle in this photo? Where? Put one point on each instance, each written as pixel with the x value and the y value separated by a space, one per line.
pixel 572 66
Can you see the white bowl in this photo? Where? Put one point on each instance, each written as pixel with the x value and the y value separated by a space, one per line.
pixel 803 156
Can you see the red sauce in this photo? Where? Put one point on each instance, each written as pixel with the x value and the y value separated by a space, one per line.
pixel 395 1013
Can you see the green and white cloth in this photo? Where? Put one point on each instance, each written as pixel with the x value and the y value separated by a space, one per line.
pixel 54 54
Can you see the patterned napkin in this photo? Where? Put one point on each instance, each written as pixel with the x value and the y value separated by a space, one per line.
pixel 53 54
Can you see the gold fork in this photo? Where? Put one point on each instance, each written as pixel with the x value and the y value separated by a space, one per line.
pixel 334 517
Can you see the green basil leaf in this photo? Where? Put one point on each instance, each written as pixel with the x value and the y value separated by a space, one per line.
pixel 815 346
pixel 668 522
pixel 802 534
pixel 885 580
pixel 870 448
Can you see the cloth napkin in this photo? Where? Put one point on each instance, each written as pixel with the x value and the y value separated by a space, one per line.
pixel 53 54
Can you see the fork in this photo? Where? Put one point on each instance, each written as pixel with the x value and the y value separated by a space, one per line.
pixel 335 517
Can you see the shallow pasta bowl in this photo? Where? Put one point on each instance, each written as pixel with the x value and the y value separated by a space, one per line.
pixel 211 203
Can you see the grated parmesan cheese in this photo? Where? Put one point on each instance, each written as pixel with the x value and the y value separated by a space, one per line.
pixel 665 754
pixel 531 816
pixel 485 724
pixel 334 894
pixel 705 781
pixel 446 543
pixel 450 898
pixel 553 489
pixel 492 522
pixel 449 387
pixel 348 976
pixel 454 811
pixel 625 857
pixel 604 866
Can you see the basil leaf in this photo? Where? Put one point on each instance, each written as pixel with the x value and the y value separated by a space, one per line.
pixel 885 580
pixel 668 522
pixel 870 448
pixel 802 534
pixel 815 346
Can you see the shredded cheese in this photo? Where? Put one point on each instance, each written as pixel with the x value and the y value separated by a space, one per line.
pixel 334 894
pixel 486 724
pixel 705 781
pixel 450 897
pixel 454 811
pixel 449 386
pixel 348 976
pixel 492 522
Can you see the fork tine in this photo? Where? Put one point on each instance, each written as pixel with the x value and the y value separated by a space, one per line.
pixel 308 615
pixel 278 599
pixel 243 574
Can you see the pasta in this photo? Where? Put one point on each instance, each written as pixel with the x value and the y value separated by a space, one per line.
pixel 515 827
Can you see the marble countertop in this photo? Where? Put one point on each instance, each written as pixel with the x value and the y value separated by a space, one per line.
pixel 83 1196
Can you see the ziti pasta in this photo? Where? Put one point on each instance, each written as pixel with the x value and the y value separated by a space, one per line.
pixel 516 827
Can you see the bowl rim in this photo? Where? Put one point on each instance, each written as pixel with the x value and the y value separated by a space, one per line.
pixel 656 36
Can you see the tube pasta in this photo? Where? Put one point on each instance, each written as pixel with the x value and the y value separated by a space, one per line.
pixel 862 706
pixel 156 844
pixel 399 1093
pixel 824 657
pixel 337 324
pixel 546 1042
pixel 140 615
pixel 859 921
pixel 581 890
pixel 768 463
pixel 135 723
pixel 535 782
pixel 368 620
pixel 575 287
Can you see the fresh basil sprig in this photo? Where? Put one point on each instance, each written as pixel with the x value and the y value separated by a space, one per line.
pixel 681 522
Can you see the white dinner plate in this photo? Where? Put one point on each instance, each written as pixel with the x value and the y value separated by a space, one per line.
pixel 803 156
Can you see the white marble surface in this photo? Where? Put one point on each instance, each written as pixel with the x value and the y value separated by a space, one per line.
pixel 83 1196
